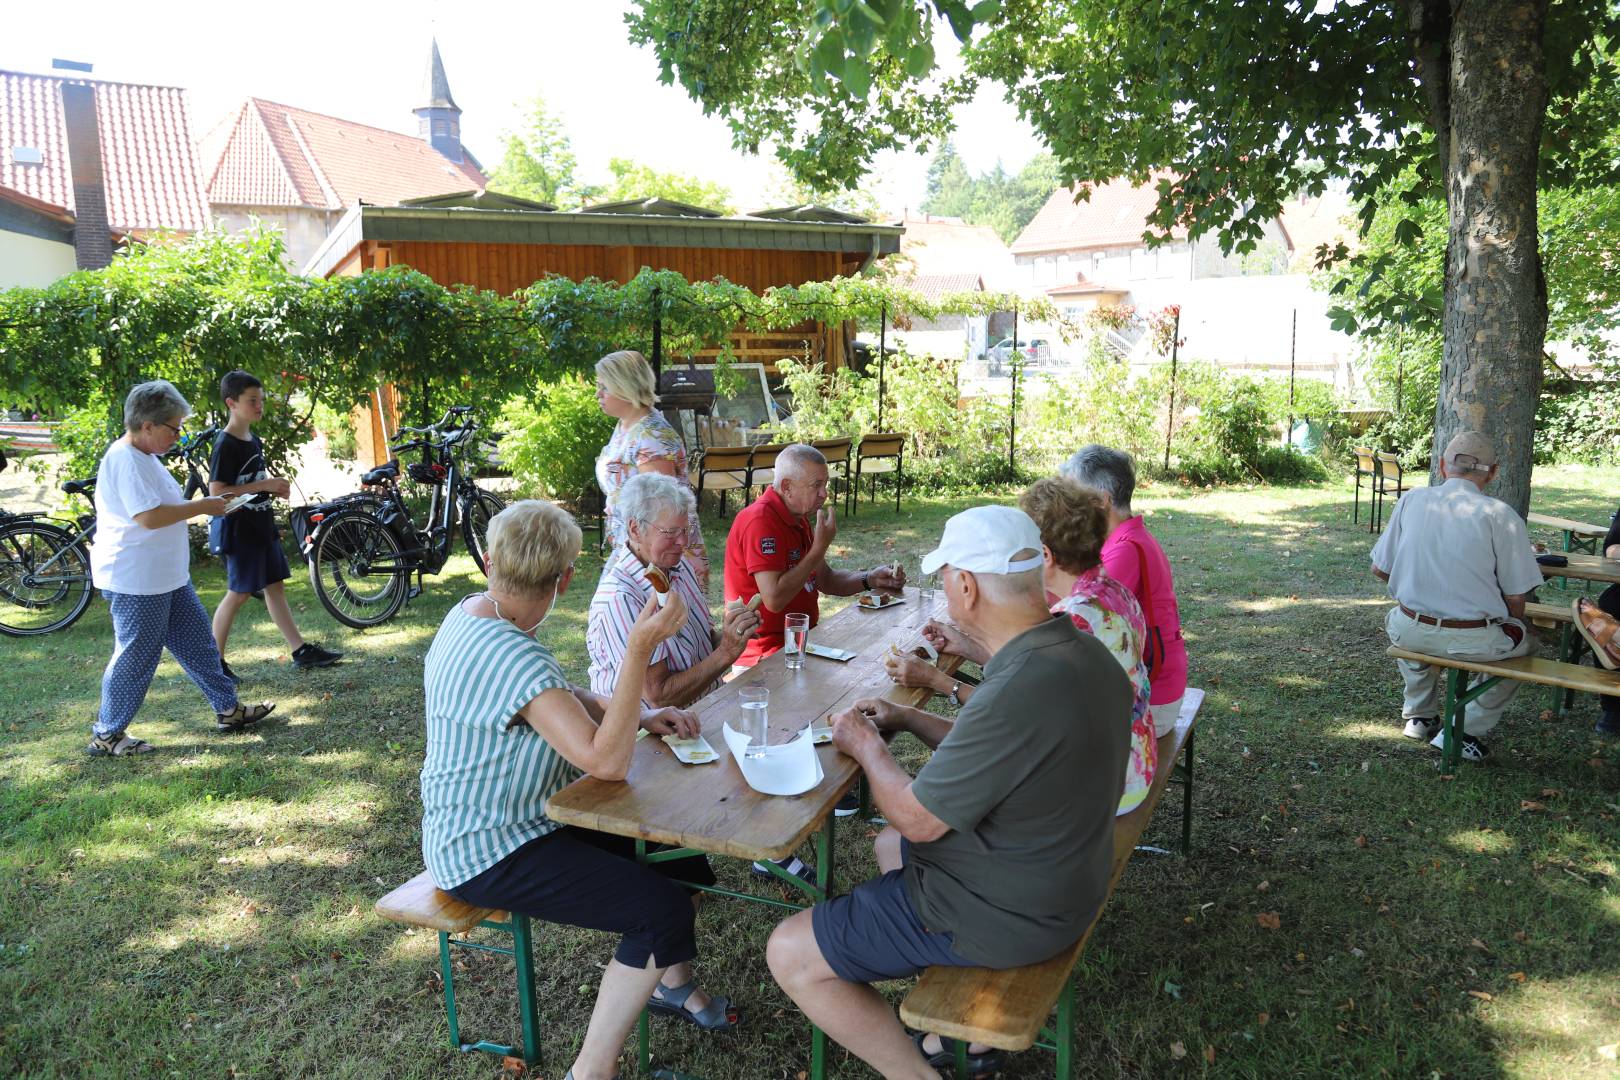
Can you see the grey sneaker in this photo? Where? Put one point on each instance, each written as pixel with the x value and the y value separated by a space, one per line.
pixel 1422 727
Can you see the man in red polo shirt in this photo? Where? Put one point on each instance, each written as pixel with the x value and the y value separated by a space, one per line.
pixel 775 551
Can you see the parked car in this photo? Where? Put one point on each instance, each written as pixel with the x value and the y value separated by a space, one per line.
pixel 1034 351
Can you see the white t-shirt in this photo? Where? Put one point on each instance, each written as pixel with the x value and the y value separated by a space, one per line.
pixel 127 557
pixel 1453 552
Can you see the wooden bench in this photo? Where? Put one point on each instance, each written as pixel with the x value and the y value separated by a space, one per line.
pixel 1558 674
pixel 1578 535
pixel 421 903
pixel 1008 1008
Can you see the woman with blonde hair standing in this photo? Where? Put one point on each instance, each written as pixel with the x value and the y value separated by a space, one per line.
pixel 642 442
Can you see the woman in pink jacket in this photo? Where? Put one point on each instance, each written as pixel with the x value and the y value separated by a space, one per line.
pixel 1131 555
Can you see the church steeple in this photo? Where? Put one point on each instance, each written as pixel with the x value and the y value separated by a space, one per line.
pixel 440 116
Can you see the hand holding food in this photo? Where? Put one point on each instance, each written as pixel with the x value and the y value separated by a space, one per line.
pixel 681 723
pixel 851 729
pixel 909 670
pixel 660 583
pixel 658 622
pixel 884 715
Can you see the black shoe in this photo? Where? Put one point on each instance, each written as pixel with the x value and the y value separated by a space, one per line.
pixel 236 680
pixel 792 865
pixel 848 806
pixel 310 655
pixel 979 1065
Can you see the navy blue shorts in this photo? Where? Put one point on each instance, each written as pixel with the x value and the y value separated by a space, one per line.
pixel 873 933
pixel 589 879
pixel 250 567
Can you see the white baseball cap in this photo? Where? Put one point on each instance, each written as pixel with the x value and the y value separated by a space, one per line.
pixel 985 539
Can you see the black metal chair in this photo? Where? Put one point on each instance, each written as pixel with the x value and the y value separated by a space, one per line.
pixel 880 453
pixel 1389 472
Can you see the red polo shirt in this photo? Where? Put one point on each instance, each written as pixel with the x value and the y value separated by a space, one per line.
pixel 767 536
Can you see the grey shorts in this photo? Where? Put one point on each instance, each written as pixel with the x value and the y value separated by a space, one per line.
pixel 874 933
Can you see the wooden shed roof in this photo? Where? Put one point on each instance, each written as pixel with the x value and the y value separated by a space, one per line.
pixel 470 225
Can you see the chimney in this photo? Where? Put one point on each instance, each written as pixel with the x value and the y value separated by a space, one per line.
pixel 440 116
pixel 92 233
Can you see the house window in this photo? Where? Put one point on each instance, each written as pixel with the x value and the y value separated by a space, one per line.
pixel 1139 263
pixel 1097 266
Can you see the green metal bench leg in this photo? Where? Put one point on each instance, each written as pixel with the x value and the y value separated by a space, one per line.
pixel 1065 1017
pixel 447 973
pixel 824 881
pixel 1187 794
pixel 961 1060
pixel 528 1008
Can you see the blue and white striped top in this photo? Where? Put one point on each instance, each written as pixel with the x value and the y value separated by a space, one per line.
pixel 485 781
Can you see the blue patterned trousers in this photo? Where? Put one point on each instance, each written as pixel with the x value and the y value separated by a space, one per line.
pixel 142 627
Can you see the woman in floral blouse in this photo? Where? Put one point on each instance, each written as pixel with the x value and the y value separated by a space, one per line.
pixel 1074 523
pixel 642 442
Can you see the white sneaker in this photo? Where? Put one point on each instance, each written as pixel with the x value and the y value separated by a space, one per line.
pixel 1472 749
pixel 1422 727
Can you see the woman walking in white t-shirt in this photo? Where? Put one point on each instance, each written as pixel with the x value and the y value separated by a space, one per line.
pixel 141 563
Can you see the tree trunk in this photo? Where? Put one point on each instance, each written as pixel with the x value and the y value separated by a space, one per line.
pixel 1495 294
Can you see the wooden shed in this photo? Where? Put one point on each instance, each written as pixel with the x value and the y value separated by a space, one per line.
pixel 502 243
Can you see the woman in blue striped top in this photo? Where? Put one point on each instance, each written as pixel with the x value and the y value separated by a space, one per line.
pixel 505 731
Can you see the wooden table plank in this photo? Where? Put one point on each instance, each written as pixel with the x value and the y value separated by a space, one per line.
pixel 1579 528
pixel 711 807
pixel 1585 567
pixel 1533 669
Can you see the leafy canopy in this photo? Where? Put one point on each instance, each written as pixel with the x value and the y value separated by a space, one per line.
pixel 1246 104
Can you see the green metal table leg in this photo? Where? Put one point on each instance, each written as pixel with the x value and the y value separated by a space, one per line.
pixel 865 790
pixel 824 882
pixel 449 977
pixel 1065 1030
pixel 961 1069
pixel 528 1008
pixel 1187 794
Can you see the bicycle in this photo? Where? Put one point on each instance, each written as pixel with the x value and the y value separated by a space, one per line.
pixel 363 548
pixel 45 561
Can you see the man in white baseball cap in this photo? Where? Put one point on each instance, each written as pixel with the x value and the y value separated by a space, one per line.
pixel 998 853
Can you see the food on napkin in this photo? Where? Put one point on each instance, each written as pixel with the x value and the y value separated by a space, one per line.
pixel 660 583
pixel 691 751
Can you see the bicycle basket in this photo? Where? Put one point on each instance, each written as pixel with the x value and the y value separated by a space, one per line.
pixel 427 472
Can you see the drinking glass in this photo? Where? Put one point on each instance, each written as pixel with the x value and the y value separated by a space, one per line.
pixel 927 591
pixel 795 636
pixel 756 719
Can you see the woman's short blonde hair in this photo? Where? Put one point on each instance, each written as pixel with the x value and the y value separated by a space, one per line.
pixel 1073 521
pixel 530 544
pixel 626 374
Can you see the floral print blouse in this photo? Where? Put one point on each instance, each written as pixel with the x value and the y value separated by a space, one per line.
pixel 1105 609
pixel 633 446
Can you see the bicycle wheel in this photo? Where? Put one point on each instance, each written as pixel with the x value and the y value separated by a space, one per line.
pixel 44 579
pixel 358 569
pixel 475 514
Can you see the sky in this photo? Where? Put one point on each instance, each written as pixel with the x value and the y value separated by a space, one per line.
pixel 365 62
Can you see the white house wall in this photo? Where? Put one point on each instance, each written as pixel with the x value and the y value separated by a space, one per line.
pixel 33 261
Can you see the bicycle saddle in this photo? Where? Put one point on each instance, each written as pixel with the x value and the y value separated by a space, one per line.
pixel 79 487
pixel 382 473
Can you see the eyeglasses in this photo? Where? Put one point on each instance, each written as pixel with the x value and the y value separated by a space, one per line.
pixel 178 432
pixel 680 532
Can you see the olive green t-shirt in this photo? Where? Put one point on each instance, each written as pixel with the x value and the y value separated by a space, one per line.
pixel 1028 780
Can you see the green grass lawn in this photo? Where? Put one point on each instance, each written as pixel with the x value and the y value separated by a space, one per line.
pixel 206 910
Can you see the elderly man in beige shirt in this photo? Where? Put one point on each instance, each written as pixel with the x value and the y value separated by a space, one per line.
pixel 1460 568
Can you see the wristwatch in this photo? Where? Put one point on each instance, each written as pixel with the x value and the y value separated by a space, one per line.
pixel 866 580
pixel 952 698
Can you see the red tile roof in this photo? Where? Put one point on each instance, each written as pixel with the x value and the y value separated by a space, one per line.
pixel 148 162
pixel 1115 216
pixel 935 287
pixel 267 154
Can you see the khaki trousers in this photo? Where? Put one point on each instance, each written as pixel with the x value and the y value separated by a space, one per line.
pixel 1424 691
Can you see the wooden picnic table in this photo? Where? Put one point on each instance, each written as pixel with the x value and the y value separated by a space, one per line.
pixel 710 808
pixel 1578 535
pixel 1585 567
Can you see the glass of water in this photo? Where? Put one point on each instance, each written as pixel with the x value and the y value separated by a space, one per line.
pixel 927 591
pixel 795 636
pixel 756 719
